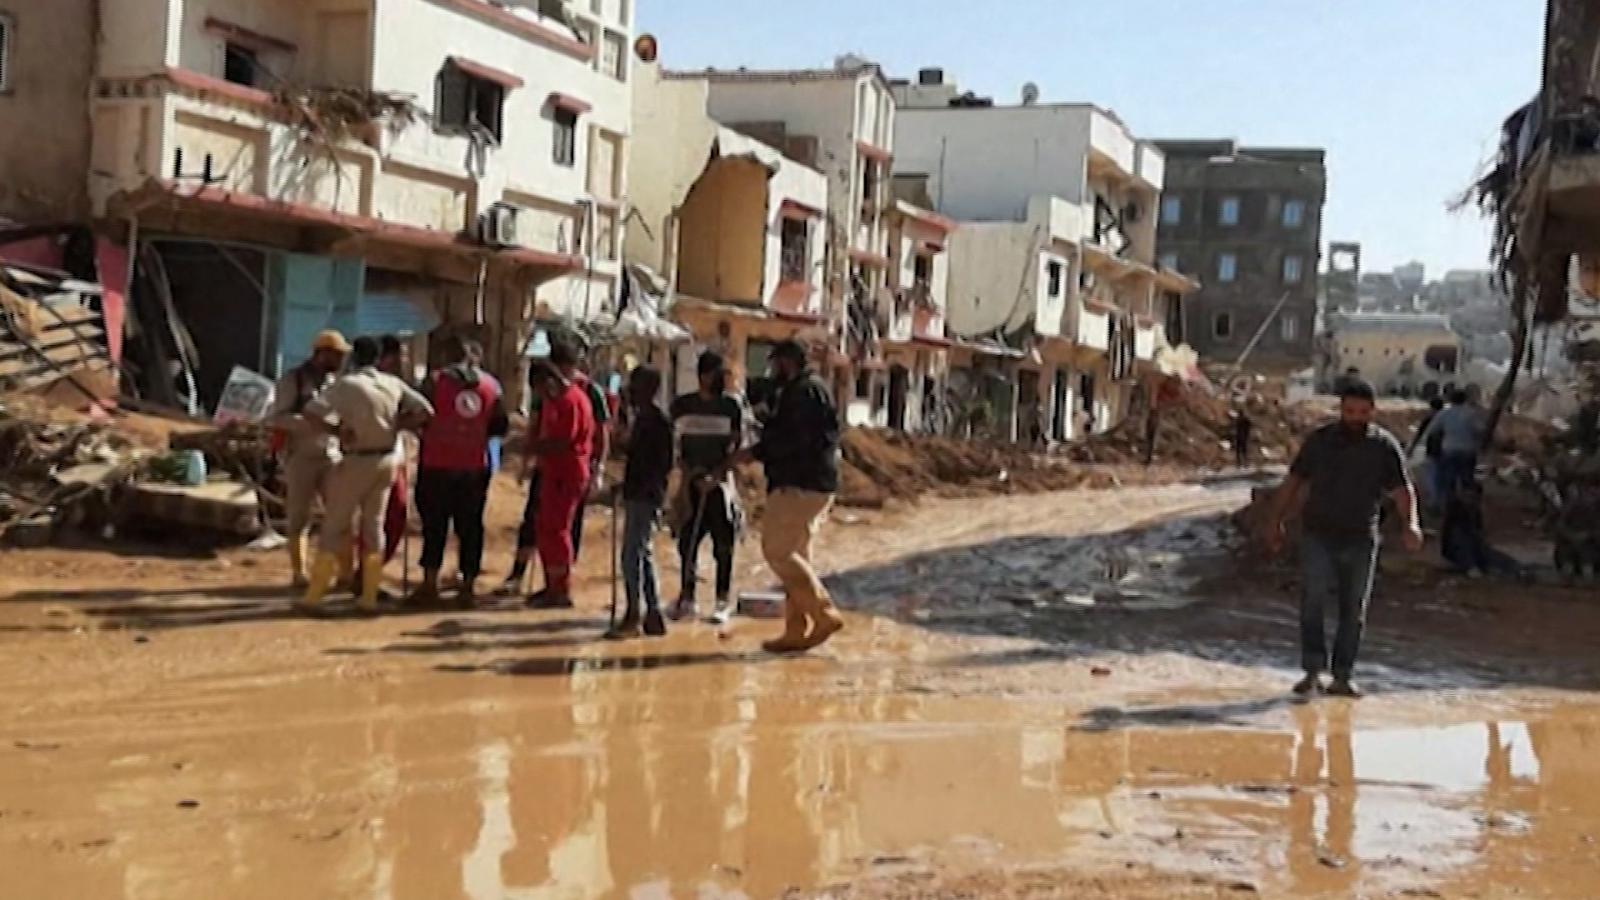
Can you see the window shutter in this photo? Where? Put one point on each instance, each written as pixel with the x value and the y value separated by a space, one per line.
pixel 450 106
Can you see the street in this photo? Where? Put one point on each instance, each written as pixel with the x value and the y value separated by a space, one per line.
pixel 1067 694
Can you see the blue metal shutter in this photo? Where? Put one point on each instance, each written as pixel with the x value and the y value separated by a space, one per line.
pixel 402 315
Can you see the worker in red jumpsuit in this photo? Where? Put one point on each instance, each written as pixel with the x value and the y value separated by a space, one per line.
pixel 453 473
pixel 561 450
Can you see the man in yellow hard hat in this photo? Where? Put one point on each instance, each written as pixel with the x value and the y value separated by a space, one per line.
pixel 368 409
pixel 308 453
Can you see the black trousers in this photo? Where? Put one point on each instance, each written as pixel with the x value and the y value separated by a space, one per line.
pixel 527 537
pixel 714 521
pixel 447 499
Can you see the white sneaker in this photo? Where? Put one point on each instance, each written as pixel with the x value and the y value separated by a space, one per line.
pixel 723 614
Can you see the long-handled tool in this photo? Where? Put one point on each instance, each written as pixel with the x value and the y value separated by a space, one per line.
pixel 614 525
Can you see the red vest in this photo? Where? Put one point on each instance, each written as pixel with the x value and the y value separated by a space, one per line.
pixel 458 437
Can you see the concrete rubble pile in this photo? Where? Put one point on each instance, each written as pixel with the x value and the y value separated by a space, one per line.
pixel 62 471
pixel 53 337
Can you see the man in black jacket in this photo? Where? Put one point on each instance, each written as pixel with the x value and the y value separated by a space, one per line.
pixel 799 449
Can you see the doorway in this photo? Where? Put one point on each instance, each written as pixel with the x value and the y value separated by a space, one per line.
pixel 899 388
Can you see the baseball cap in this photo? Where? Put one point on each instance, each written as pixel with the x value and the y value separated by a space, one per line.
pixel 330 340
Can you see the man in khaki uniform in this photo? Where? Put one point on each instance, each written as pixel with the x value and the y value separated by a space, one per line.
pixel 368 409
pixel 308 451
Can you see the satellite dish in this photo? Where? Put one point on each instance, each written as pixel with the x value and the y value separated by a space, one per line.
pixel 1030 94
pixel 647 48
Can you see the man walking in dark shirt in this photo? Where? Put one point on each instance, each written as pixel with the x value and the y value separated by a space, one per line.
pixel 1342 475
pixel 799 449
pixel 644 488
pixel 709 424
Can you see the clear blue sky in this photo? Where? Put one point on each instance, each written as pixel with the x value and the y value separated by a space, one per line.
pixel 1405 95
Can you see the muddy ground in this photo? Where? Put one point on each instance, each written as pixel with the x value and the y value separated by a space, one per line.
pixel 1075 694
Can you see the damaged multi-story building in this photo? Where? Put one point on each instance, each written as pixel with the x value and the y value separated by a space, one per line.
pixel 1248 222
pixel 838 121
pixel 1056 299
pixel 734 229
pixel 275 167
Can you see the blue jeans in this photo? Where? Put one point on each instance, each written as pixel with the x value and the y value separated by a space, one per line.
pixel 638 555
pixel 1339 574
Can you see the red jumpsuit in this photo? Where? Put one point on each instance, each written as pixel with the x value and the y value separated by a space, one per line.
pixel 563 480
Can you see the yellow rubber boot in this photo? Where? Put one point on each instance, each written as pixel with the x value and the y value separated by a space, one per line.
pixel 297 561
pixel 347 567
pixel 796 628
pixel 371 581
pixel 322 572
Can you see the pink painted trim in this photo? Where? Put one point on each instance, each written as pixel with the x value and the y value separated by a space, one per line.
pixel 246 36
pixel 487 73
pixel 569 103
pixel 866 258
pixel 194 81
pixel 794 209
pixel 521 27
pixel 394 231
pixel 874 153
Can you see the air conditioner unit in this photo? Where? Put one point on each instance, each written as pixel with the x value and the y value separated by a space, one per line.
pixel 498 225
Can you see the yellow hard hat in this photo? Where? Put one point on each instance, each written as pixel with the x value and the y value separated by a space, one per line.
pixel 330 340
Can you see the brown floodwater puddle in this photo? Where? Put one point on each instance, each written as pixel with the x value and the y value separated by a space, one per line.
pixel 732 779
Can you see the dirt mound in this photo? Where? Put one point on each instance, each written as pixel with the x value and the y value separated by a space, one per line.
pixel 1197 433
pixel 884 465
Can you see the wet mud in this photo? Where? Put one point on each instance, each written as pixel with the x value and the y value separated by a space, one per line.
pixel 1035 697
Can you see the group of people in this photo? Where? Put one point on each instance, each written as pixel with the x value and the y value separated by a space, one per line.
pixel 338 420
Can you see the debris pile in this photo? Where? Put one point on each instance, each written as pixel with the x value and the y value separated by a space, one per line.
pixel 56 472
pixel 53 337
pixel 884 465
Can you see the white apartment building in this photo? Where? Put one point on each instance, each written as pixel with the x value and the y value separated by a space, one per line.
pixel 839 121
pixel 737 229
pixel 413 165
pixel 1053 269
pixel 912 317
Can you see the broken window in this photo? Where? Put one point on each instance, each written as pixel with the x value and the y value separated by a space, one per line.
pixel 240 65
pixel 1294 213
pixel 565 148
pixel 466 103
pixel 795 250
pixel 922 272
pixel 1293 269
pixel 613 59
pixel 869 181
pixel 5 52
pixel 1228 214
pixel 1222 326
pixel 1227 268
pixel 1054 270
pixel 1171 210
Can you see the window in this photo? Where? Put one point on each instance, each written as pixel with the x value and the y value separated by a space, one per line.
pixel 1171 210
pixel 1227 268
pixel 1293 269
pixel 922 271
pixel 469 104
pixel 869 181
pixel 1289 327
pixel 565 125
pixel 1294 213
pixel 1170 261
pixel 240 65
pixel 1054 270
pixel 624 11
pixel 5 52
pixel 795 250
pixel 863 384
pixel 1222 326
pixel 598 7
pixel 1228 214
pixel 613 58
